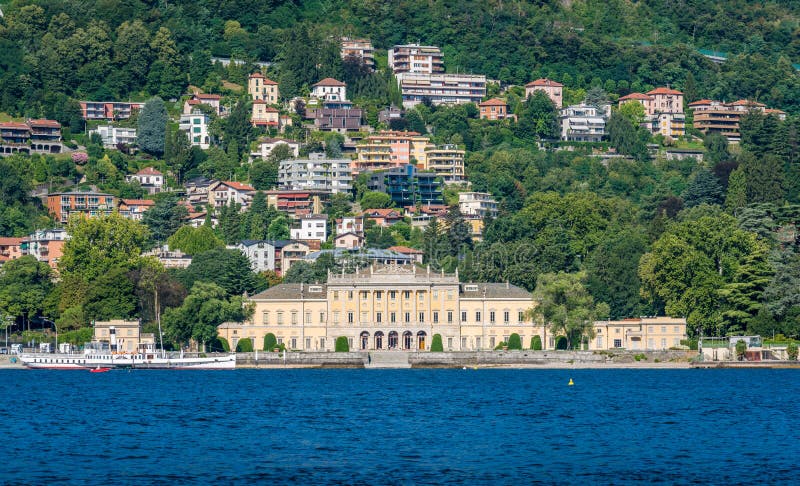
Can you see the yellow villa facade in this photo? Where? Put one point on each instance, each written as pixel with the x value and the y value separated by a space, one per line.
pixel 388 307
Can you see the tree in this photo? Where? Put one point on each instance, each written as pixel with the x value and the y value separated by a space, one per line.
pixel 704 188
pixel 536 343
pixel 436 344
pixel 562 302
pixel 736 197
pixel 765 178
pixel 300 272
pixel 376 200
pixel 633 111
pixel 514 342
pixel 24 285
pixel 205 308
pixel 151 134
pixel 238 130
pixel 791 351
pixel 459 232
pixel 741 349
pixel 110 296
pixel 229 269
pixel 627 138
pixel 716 147
pixel 164 218
pixel 178 152
pixel 538 117
pixel 342 345
pixel 279 228
pixel 612 272
pixel 264 174
pixel 194 241
pixel 244 345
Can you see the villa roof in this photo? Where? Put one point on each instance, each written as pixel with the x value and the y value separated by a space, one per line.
pixel 149 171
pixel 544 82
pixel 664 91
pixel 494 102
pixel 635 96
pixel 494 291
pixel 237 186
pixel 16 125
pixel 701 102
pixel 329 82
pixel 44 123
pixel 406 250
pixel 289 291
pixel 139 202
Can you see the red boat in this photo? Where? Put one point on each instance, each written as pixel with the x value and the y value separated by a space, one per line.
pixel 99 370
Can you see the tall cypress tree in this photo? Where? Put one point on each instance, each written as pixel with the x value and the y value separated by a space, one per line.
pixel 152 131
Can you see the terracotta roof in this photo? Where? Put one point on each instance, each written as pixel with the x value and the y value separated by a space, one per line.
pixel 406 250
pixel 381 212
pixel 277 140
pixel 202 96
pixel 194 102
pixel 330 82
pixel 349 233
pixel 149 171
pixel 544 82
pixel 238 186
pixel 139 202
pixel 191 216
pixel 635 96
pixel 8 241
pixel 18 126
pixel 664 91
pixel 746 103
pixel 773 110
pixel 44 123
pixel 701 102
pixel 256 75
pixel 269 81
pixel 494 102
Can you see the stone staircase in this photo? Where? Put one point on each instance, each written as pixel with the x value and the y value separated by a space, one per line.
pixel 387 359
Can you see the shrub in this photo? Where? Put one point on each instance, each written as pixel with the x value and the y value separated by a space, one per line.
pixel 791 351
pixel 640 356
pixel 270 342
pixel 741 348
pixel 500 345
pixel 536 343
pixel 244 346
pixel 436 343
pixel 219 344
pixel 561 342
pixel 514 341
pixel 342 346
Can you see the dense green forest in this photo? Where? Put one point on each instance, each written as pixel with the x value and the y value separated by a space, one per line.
pixel 715 241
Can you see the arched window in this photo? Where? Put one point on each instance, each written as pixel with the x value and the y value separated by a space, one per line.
pixel 379 340
pixel 407 338
pixel 392 340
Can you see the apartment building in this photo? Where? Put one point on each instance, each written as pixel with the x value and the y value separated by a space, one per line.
pixel 388 149
pixel 447 162
pixel 272 255
pixel 643 333
pixel 33 136
pixel 10 249
pixel 441 89
pixel 584 123
pixel 310 227
pixel 554 90
pixel 261 88
pixel 360 48
pixel 723 118
pixel 62 205
pixel 407 186
pixel 45 245
pixel 296 203
pixel 114 136
pixel 316 173
pixel 224 193
pixel 663 111
pixel 478 205
pixel 339 120
pixel 414 58
pixel 195 125
pixel 108 110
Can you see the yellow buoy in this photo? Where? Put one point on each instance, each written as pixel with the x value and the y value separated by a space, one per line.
pixel 570 382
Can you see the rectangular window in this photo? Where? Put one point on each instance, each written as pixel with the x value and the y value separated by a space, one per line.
pixel 336 317
pixel 265 318
pixel 294 317
pixel 407 294
pixel 407 317
pixel 322 344
pixel 663 343
pixel 392 295
pixel 393 317
pixel 364 295
pixel 477 316
pixel 449 317
pixel 378 317
pixel 676 329
pixel 521 316
pixel 618 343
pixel 349 317
pixel 321 317
pixel 378 295
pixel 649 328
pixel 196 130
pixel 280 318
pixel 506 317
pixel 335 295
pixel 663 329
pixel 491 316
pixel 294 343
pixel 491 342
pixel 421 317
pixel 599 342
pixel 463 316
pixel 280 340
pixel 449 295
pixel 308 344
pixel 449 343
pixel 435 294
pixel 435 316
pixel 308 317
pixel 349 295
pixel 477 343
pixel 421 295
pixel 463 343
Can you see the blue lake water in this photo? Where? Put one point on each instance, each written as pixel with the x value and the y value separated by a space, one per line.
pixel 400 427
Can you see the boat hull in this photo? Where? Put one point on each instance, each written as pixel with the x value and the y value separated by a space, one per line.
pixel 82 362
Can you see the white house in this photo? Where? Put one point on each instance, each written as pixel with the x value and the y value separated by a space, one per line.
pixel 267 145
pixel 149 178
pixel 113 136
pixel 584 123
pixel 273 255
pixel 350 224
pixel 477 205
pixel 223 193
pixel 330 89
pixel 195 124
pixel 312 227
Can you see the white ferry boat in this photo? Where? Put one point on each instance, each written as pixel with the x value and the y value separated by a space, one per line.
pixel 91 360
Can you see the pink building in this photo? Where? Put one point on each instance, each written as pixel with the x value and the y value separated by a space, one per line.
pixel 553 89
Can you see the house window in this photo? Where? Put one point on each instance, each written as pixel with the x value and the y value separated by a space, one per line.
pixel 491 316
pixel 599 342
pixel 435 294
pixel 308 317
pixel 308 344
pixel 449 295
pixel 463 343
pixel 336 317
pixel 435 316
pixel 407 294
pixel 663 329
pixel 463 316
pixel 392 294
pixel 421 295
pixel 663 343
pixel 520 316
pixel 491 342
pixel 676 329
pixel 280 318
pixel 618 343
pixel 393 317
pixel 321 317
pixel 265 318
pixel 506 317
pixel 477 343
pixel 449 343
pixel 407 317
pixel 349 317
pixel 322 343
pixel 421 317
pixel 378 295
pixel 294 343
pixel 378 317
pixel 477 316
pixel 449 317
pixel 649 328
pixel 349 295
pixel 294 317
pixel 364 295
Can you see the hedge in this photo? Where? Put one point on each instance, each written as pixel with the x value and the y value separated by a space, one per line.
pixel 342 346
pixel 245 345
pixel 270 342
pixel 536 343
pixel 514 342
pixel 436 343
